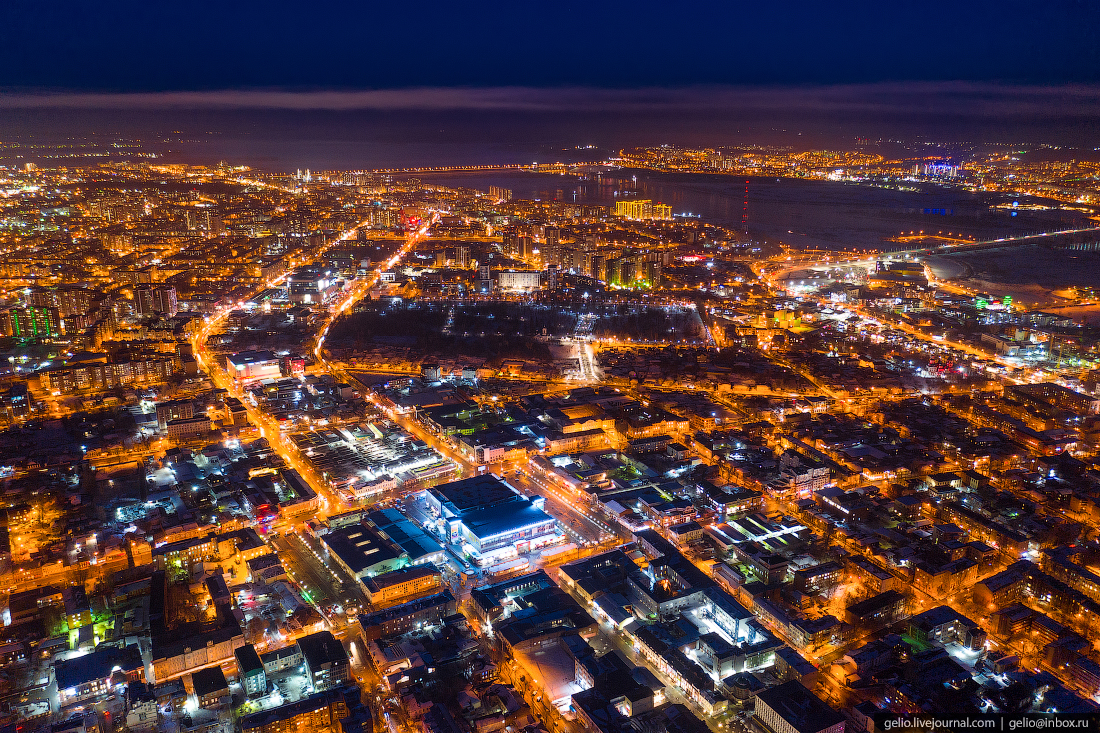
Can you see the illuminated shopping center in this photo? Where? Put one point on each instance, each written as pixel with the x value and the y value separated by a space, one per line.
pixel 489 519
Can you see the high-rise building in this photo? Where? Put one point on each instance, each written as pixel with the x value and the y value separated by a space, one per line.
pixel 74 301
pixel 16 401
pixel 35 322
pixel 40 297
pixel 524 247
pixel 643 209
pixel 634 269
pixel 516 245
pixel 939 169
pixel 143 300
pixel 203 218
pixel 595 265
pixel 165 298
pixel 519 279
pixel 630 209
pixel 174 410
pixel 149 299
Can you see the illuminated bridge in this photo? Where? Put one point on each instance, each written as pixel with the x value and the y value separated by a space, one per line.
pixel 1082 239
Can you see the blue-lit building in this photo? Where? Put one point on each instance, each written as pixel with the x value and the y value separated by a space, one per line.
pixel 489 519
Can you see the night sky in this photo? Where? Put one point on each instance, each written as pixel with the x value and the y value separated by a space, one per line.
pixel 153 45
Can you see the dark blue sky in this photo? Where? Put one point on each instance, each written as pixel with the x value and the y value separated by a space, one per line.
pixel 155 45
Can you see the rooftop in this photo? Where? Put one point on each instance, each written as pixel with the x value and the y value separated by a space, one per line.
pixel 800 708
pixel 322 648
pixel 360 547
pixel 99 664
pixel 250 357
pixel 476 492
pixel 258 721
pixel 209 680
pixel 497 520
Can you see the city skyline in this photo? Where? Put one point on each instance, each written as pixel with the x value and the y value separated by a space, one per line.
pixel 549 368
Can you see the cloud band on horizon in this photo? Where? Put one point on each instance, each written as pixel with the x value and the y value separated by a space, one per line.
pixel 940 98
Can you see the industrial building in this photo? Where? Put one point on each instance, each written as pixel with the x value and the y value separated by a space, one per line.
pixel 363 551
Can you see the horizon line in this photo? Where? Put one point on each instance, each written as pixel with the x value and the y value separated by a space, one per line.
pixel 950 97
